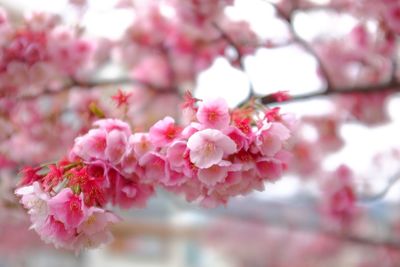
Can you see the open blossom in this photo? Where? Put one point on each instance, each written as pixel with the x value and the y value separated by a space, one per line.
pixel 271 138
pixel 34 199
pixel 154 167
pixel 207 147
pixel 96 220
pixel 214 174
pixel 164 132
pixel 117 143
pixel 67 208
pixel 64 219
pixel 214 114
pixel 141 143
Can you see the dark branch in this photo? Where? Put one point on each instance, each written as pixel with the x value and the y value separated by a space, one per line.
pixel 391 86
pixel 90 85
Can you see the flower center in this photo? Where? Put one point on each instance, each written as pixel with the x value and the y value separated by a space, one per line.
pixel 209 148
pixel 212 116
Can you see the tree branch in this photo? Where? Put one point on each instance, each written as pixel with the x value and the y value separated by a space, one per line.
pixel 378 196
pixel 391 86
pixel 240 58
pixel 303 43
pixel 90 85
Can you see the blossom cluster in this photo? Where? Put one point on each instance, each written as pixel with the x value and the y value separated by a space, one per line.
pixel 66 207
pixel 40 53
pixel 218 155
pixel 339 203
pixel 171 41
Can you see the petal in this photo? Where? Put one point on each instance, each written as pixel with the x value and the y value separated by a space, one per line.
pixel 117 145
pixel 212 175
pixel 203 159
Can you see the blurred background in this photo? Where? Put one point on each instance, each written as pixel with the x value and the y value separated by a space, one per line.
pixel 338 204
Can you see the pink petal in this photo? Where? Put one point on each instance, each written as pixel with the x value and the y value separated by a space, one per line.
pixel 212 175
pixel 116 146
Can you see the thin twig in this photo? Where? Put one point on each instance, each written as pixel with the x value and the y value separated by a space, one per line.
pixel 303 43
pixel 380 195
pixel 240 58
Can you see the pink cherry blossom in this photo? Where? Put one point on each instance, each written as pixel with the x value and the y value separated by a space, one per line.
pixel 117 143
pixel 113 124
pixel 91 146
pixel 67 208
pixel 141 143
pixel 270 138
pixel 215 174
pixel 57 233
pixel 164 132
pixel 207 147
pixel 109 164
pixel 269 169
pixel 214 114
pixel 35 200
pixel 83 241
pixel 154 166
pixel 175 153
pixel 96 221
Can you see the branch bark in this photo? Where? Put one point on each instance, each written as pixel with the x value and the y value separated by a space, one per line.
pixel 90 85
pixel 240 58
pixel 391 86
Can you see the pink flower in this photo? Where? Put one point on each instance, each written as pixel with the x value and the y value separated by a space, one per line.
pixel 164 132
pixel 173 178
pixel 214 114
pixel 269 169
pixel 128 192
pixel 214 174
pixel 393 17
pixel 121 98
pixel 129 163
pixel 30 175
pixel 340 196
pixel 113 124
pixel 154 166
pixel 117 144
pixel 190 129
pixel 153 69
pixel 35 200
pixel 207 147
pixel 3 17
pixel 97 220
pixel 175 153
pixel 56 232
pixel 141 143
pixel 90 146
pixel 67 208
pixel 189 101
pixel 92 241
pixel 270 138
pixel 279 96
pixel 242 140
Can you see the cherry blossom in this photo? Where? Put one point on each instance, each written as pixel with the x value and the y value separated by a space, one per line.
pixel 110 164
pixel 55 104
